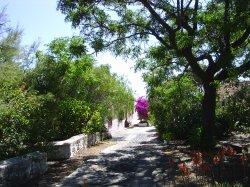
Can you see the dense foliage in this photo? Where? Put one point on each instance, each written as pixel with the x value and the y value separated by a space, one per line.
pixel 233 111
pixel 175 108
pixel 64 94
pixel 209 37
pixel 175 102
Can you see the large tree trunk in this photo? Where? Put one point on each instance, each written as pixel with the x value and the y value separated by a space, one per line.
pixel 208 116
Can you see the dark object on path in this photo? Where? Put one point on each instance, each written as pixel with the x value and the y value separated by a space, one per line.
pixel 143 124
pixel 110 123
pixel 126 123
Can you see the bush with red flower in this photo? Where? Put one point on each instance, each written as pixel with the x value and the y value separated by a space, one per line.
pixel 214 167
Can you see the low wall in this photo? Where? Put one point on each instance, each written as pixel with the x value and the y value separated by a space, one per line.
pixel 19 170
pixel 68 148
pixel 96 138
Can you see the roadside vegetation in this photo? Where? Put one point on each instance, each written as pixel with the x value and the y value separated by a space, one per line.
pixel 60 94
pixel 201 47
pixel 206 40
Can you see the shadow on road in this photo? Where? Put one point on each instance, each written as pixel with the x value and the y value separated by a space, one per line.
pixel 142 165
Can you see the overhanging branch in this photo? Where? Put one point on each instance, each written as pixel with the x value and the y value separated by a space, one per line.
pixel 242 39
pixel 224 74
pixel 156 15
pixel 192 61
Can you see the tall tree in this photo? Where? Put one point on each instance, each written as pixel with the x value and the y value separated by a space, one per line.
pixel 9 40
pixel 209 36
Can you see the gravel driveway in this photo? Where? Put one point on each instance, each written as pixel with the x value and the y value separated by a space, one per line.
pixel 136 160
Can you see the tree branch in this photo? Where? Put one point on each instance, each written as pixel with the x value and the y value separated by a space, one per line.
pixel 205 56
pixel 160 39
pixel 156 15
pixel 187 53
pixel 196 5
pixel 188 4
pixel 161 21
pixel 242 39
pixel 211 67
pixel 226 36
pixel 125 37
pixel 224 74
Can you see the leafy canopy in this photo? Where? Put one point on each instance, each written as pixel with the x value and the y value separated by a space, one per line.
pixel 210 36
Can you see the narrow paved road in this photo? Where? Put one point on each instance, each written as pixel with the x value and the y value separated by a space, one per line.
pixel 136 160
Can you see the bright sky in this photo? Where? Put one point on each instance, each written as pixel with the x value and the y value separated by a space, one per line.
pixel 40 21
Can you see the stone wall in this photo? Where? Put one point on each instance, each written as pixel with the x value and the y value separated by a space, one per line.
pixel 68 148
pixel 18 170
pixel 96 138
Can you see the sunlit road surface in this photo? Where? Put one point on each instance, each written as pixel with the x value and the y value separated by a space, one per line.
pixel 119 125
pixel 136 160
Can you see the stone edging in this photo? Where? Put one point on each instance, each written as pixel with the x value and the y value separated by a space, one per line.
pixel 68 148
pixel 18 170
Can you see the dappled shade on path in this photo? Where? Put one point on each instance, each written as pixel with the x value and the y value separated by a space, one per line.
pixel 136 159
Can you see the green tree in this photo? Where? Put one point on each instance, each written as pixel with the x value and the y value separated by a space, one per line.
pixel 83 93
pixel 16 104
pixel 10 49
pixel 211 37
pixel 175 107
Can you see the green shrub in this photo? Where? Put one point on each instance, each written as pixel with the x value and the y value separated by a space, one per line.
pixel 95 124
pixel 12 134
pixel 194 137
pixel 233 112
pixel 65 94
pixel 120 115
pixel 43 121
pixel 175 107
pixel 16 114
pixel 73 117
pixel 167 136
pixel 12 121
